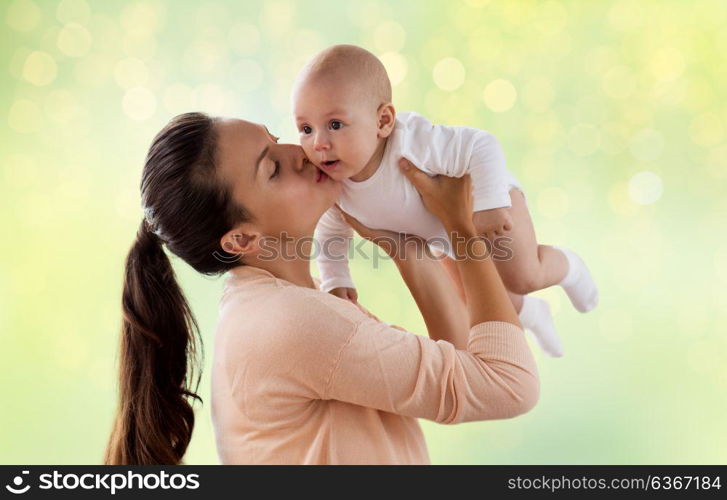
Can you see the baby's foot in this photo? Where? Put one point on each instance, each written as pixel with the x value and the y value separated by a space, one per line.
pixel 578 283
pixel 535 317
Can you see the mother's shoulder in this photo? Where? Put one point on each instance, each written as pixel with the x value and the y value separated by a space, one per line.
pixel 284 323
pixel 280 307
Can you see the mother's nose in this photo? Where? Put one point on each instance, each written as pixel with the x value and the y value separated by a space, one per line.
pixel 294 154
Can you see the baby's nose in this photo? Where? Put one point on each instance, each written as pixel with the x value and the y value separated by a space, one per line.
pixel 320 143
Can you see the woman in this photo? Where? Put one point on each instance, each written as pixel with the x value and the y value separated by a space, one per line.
pixel 299 376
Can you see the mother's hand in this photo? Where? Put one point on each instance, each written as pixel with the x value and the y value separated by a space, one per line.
pixel 448 198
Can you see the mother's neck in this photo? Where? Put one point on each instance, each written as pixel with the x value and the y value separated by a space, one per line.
pixel 286 259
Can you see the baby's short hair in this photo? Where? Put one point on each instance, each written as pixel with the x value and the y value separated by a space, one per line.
pixel 350 63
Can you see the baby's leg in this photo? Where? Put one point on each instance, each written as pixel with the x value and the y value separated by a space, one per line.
pixel 531 266
pixel 534 313
pixel 451 267
pixel 534 267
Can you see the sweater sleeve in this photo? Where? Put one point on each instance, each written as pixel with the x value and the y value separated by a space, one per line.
pixel 333 239
pixel 334 351
pixel 412 375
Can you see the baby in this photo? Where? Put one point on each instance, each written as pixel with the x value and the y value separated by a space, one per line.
pixel 350 130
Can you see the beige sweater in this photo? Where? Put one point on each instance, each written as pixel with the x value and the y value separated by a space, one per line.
pixel 302 377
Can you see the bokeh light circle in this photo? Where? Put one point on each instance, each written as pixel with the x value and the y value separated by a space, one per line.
pixel 246 75
pixel 389 36
pixel 23 15
pixel 40 68
pixel 645 187
pixel 61 106
pixel 500 95
pixel 584 139
pixel 142 19
pixel 538 94
pixel 25 116
pixel 73 11
pixel 244 38
pixel 177 98
pixel 131 72
pixel 396 66
pixel 139 104
pixel 706 129
pixel 448 74
pixel 74 40
pixel 667 63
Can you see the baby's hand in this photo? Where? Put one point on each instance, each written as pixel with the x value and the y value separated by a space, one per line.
pixel 345 294
pixel 493 222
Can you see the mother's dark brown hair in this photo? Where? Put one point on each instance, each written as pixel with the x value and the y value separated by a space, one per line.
pixel 188 208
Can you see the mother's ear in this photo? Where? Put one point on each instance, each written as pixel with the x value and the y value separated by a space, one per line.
pixel 241 240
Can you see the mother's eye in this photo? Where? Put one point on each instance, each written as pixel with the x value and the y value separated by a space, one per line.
pixel 276 170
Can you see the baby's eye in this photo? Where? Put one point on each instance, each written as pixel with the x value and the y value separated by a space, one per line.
pixel 306 129
pixel 336 125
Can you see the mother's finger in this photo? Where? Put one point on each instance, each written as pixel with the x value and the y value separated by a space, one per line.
pixel 355 224
pixel 417 177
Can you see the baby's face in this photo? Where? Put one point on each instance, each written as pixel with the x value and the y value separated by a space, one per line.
pixel 337 127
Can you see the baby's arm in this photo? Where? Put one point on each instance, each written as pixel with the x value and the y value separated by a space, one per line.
pixel 333 237
pixel 478 153
pixel 455 151
pixel 490 188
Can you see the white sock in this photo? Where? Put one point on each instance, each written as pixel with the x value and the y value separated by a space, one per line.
pixel 578 283
pixel 535 317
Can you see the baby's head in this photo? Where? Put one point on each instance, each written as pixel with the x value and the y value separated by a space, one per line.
pixel 342 109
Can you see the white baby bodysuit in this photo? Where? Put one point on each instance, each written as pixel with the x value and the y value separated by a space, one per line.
pixel 387 200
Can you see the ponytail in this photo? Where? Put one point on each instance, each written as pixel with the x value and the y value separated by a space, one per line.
pixel 155 420
pixel 188 206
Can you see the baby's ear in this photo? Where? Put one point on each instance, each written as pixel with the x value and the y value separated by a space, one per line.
pixel 386 115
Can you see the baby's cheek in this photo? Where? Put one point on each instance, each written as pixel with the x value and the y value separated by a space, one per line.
pixel 307 148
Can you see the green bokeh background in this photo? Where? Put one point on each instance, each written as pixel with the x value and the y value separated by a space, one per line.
pixel 613 115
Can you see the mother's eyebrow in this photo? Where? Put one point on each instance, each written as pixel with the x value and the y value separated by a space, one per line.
pixel 270 134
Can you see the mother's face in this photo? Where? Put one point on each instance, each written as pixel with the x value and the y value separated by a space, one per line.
pixel 276 183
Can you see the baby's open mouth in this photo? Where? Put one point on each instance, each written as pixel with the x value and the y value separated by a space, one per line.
pixel 330 164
